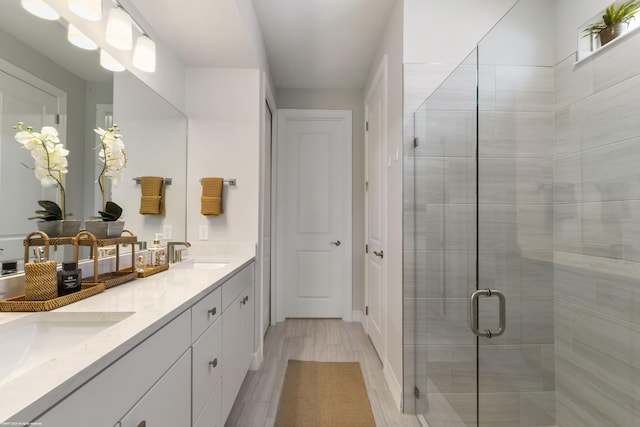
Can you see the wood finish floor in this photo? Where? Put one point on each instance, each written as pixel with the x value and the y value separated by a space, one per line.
pixel 324 340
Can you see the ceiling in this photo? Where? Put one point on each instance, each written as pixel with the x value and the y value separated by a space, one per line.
pixel 310 44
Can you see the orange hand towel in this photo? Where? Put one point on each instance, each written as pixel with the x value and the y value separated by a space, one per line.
pixel 211 200
pixel 152 200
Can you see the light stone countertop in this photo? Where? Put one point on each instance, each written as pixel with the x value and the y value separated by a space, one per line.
pixel 154 301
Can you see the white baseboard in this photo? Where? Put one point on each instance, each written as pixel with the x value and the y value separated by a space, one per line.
pixel 394 385
pixel 356 316
pixel 256 360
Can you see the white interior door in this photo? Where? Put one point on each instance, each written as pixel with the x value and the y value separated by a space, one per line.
pixel 314 152
pixel 375 276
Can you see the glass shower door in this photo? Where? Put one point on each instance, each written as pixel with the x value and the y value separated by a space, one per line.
pixel 441 251
pixel 515 221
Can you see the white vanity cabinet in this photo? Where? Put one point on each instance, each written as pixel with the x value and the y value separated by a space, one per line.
pixel 105 399
pixel 168 403
pixel 222 354
pixel 188 373
pixel 237 343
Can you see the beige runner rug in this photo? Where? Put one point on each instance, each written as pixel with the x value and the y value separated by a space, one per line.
pixel 320 394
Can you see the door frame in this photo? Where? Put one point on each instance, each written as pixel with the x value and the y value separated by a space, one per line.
pixel 278 287
pixel 380 79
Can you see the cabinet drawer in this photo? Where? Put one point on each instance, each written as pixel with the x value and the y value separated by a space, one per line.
pixel 167 403
pixel 210 416
pixel 205 312
pixel 207 366
pixel 235 285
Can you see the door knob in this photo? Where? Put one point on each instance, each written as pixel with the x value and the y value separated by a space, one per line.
pixel 380 254
pixel 337 243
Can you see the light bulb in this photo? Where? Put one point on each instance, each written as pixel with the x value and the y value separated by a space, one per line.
pixel 119 29
pixel 40 9
pixel 109 62
pixel 90 10
pixel 144 55
pixel 78 39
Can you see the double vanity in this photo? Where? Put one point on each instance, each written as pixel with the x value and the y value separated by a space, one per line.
pixel 168 350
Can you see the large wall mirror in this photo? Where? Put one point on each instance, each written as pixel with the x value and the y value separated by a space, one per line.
pixel 44 80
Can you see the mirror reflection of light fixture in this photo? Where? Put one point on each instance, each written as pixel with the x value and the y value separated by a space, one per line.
pixel 119 29
pixel 40 9
pixel 144 55
pixel 109 62
pixel 78 39
pixel 90 10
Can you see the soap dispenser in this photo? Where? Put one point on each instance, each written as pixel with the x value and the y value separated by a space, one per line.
pixel 157 253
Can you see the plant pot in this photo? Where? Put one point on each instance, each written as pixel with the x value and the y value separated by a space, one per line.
pixel 60 228
pixel 612 32
pixel 70 227
pixel 52 228
pixel 105 229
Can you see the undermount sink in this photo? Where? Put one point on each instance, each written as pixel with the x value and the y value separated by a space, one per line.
pixel 35 339
pixel 205 265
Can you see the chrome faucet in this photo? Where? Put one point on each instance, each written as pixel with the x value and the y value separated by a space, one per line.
pixel 175 255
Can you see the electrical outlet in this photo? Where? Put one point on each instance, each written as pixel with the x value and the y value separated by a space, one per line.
pixel 203 232
pixel 167 232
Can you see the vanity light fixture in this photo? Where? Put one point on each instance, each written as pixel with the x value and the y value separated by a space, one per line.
pixel 91 10
pixel 109 62
pixel 77 38
pixel 144 55
pixel 40 9
pixel 119 29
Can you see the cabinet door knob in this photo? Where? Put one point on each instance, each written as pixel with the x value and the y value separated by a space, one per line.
pixel 214 363
pixel 213 311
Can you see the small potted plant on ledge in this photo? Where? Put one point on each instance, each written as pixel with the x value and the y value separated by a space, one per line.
pixel 50 163
pixel 112 160
pixel 614 21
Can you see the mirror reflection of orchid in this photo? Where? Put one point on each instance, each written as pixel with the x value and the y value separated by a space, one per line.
pixel 113 160
pixel 50 163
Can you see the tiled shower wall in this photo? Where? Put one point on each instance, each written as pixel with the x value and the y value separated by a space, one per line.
pixel 597 237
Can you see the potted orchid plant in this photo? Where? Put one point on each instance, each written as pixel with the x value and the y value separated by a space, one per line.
pixel 112 161
pixel 50 164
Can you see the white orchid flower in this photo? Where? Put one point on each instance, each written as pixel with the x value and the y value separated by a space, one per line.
pixel 49 155
pixel 111 155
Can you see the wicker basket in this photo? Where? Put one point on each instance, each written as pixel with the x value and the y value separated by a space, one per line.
pixel 40 278
pixel 20 303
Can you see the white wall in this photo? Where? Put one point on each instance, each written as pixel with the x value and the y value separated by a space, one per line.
pixel 342 100
pixel 223 106
pixel 571 14
pixel 439 42
pixel 391 45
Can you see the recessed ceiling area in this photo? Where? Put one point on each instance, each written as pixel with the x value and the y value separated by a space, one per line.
pixel 321 44
pixel 310 44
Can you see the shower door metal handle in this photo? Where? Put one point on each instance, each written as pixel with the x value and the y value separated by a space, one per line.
pixel 473 301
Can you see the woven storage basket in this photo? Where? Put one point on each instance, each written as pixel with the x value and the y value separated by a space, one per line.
pixel 40 278
pixel 40 281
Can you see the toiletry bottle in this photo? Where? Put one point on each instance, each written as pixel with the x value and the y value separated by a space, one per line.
pixel 69 279
pixel 157 253
pixel 141 264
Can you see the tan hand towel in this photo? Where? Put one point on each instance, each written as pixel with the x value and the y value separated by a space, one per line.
pixel 152 200
pixel 211 200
